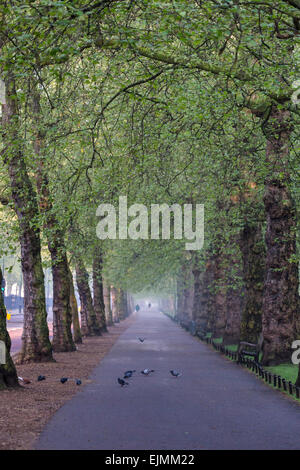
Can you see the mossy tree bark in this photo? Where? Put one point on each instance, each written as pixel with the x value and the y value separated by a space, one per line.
pixel 62 314
pixel 297 383
pixel 207 301
pixel 89 322
pixel 253 256
pixel 98 298
pixel 36 345
pixel 199 306
pixel 106 298
pixel 234 306
pixel 121 304
pixel 234 292
pixel 280 299
pixel 219 295
pixel 185 292
pixel 129 303
pixel 8 373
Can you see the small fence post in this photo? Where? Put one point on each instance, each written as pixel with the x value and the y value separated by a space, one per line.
pixel 284 385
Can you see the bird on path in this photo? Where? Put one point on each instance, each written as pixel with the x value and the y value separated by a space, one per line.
pixel 78 382
pixel 175 373
pixel 122 382
pixel 63 379
pixel 41 377
pixel 141 339
pixel 25 381
pixel 128 374
pixel 146 371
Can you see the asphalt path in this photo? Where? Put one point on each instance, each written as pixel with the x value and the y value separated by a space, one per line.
pixel 214 404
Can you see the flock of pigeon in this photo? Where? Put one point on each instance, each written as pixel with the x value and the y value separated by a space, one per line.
pixel 128 374
pixel 43 377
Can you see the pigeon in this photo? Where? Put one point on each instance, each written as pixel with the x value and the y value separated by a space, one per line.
pixel 78 382
pixel 175 373
pixel 63 380
pixel 41 377
pixel 25 381
pixel 122 382
pixel 128 374
pixel 141 339
pixel 146 371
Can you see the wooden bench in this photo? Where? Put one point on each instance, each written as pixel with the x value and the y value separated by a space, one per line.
pixel 250 349
pixel 202 334
pixel 189 325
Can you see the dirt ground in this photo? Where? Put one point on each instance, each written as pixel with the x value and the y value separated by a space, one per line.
pixel 24 412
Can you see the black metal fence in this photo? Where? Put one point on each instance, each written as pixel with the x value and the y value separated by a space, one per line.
pixel 276 380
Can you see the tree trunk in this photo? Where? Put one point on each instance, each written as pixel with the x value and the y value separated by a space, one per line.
pixel 234 305
pixel 89 322
pixel 121 303
pixel 130 306
pixel 8 374
pixel 234 292
pixel 35 340
pixel 180 299
pixel 200 311
pixel 219 296
pixel 62 315
pixel 280 300
pixel 77 338
pixel 207 301
pixel 106 298
pixel 98 290
pixel 185 292
pixel 297 383
pixel 114 304
pixel 253 256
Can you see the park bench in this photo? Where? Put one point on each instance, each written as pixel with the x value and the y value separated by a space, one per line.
pixel 250 349
pixel 202 334
pixel 189 325
pixel 192 328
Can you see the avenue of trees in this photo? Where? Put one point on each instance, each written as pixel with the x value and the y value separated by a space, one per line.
pixel 167 102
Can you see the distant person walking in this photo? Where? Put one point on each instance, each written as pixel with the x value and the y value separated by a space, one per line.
pixel 149 305
pixel 137 307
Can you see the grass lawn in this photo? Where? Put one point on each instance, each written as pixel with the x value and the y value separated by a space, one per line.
pixel 232 347
pixel 218 340
pixel 286 371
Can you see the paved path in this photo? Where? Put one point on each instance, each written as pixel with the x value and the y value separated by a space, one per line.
pixel 215 404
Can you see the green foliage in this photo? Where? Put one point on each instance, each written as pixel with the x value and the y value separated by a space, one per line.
pixel 160 101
